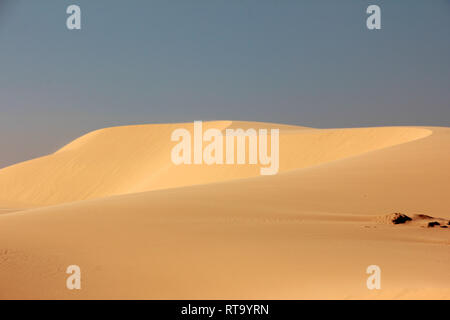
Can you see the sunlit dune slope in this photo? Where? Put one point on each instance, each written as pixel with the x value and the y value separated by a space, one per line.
pixel 305 233
pixel 131 159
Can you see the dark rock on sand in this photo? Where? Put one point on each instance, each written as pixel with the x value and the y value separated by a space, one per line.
pixel 399 218
pixel 432 224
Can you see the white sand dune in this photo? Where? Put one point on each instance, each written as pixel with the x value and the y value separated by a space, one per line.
pixel 140 227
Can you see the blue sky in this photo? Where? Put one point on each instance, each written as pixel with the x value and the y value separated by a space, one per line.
pixel 311 63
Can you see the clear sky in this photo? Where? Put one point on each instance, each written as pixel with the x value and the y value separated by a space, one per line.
pixel 311 63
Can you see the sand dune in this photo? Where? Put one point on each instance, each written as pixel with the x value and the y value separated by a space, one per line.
pixel 140 227
pixel 124 160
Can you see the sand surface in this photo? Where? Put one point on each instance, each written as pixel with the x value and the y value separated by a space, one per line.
pixel 140 227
